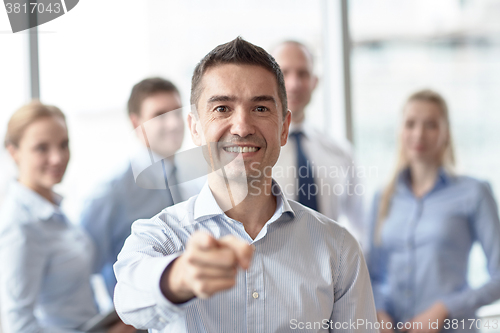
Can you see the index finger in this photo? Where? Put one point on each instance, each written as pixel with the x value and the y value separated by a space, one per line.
pixel 243 250
pixel 202 241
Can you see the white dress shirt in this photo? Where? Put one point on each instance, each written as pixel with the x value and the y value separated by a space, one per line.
pixel 306 271
pixel 340 191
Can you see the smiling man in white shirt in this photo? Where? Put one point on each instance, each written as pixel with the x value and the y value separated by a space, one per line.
pixel 240 257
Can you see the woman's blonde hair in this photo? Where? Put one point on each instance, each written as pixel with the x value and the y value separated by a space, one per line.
pixel 27 115
pixel 447 157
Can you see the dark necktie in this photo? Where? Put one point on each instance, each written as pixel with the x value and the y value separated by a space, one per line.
pixel 307 188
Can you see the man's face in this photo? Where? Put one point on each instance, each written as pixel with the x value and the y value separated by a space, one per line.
pixel 239 108
pixel 161 115
pixel 296 64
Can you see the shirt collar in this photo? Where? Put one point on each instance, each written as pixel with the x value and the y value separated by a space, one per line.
pixel 304 127
pixel 296 128
pixel 301 127
pixel 443 179
pixel 38 205
pixel 206 206
pixel 282 204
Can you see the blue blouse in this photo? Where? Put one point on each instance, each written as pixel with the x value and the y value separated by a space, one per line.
pixel 46 266
pixel 424 250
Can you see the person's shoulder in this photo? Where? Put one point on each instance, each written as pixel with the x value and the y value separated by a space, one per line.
pixel 471 184
pixel 334 237
pixel 342 150
pixel 317 221
pixel 16 212
pixel 177 216
pixel 122 173
pixel 16 217
pixel 309 215
pixel 111 185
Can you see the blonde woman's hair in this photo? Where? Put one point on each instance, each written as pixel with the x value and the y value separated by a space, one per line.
pixel 447 157
pixel 25 116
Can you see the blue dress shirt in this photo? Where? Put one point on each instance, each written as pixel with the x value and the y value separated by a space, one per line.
pixel 46 266
pixel 306 271
pixel 423 253
pixel 108 215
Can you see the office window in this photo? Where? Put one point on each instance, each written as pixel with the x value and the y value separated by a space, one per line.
pixel 14 88
pixel 450 46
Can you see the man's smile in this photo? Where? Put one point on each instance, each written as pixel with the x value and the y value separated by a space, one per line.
pixel 241 149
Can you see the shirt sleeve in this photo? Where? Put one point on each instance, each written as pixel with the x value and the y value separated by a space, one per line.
pixel 376 260
pixel 146 254
pixel 353 308
pixel 24 258
pixel 485 226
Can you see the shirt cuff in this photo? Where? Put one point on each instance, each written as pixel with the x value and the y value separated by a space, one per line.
pixel 167 310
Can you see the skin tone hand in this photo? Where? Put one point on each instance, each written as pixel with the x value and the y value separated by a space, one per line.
pixel 120 327
pixel 207 266
pixel 437 312
pixel 384 317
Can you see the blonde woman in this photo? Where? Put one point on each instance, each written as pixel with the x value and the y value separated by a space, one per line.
pixel 45 261
pixel 423 225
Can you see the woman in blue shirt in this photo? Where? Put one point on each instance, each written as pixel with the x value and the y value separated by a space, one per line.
pixel 423 225
pixel 46 261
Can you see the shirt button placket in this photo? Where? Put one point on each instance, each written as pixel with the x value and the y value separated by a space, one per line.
pixel 255 295
pixel 411 254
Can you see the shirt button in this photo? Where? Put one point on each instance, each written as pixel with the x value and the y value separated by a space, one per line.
pixel 255 295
